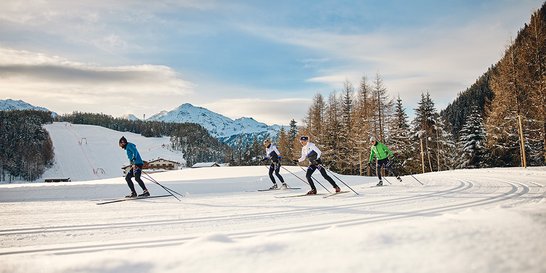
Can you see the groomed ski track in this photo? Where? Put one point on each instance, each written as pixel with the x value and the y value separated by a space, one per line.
pixel 165 222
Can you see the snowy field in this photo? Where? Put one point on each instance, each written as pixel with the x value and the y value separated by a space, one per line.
pixel 490 220
pixel 87 152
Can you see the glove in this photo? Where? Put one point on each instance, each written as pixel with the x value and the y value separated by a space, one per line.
pixel 295 161
pixel 313 162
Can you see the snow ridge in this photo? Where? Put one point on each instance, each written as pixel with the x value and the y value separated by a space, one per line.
pixel 219 126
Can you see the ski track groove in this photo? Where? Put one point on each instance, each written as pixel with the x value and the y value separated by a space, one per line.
pixel 24 231
pixel 515 191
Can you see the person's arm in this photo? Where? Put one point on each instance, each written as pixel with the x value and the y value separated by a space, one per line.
pixel 389 152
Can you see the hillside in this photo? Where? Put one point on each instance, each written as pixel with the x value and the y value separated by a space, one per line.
pixel 86 152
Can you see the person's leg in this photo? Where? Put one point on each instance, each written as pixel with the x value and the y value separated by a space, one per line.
pixel 271 170
pixel 327 177
pixel 310 170
pixel 138 172
pixel 129 182
pixel 277 170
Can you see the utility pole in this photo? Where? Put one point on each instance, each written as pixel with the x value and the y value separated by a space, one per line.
pixel 522 143
pixel 422 154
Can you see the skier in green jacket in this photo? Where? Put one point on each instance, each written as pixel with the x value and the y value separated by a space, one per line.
pixel 384 157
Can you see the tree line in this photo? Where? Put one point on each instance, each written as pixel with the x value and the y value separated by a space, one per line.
pixel 26 149
pixel 499 121
pixel 190 138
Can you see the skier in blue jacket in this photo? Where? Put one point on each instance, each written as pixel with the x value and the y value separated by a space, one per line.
pixel 136 169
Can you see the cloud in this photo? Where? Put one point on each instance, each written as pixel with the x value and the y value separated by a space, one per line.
pixel 269 111
pixel 65 85
pixel 444 58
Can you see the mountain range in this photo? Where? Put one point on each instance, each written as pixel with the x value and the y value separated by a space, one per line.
pixel 9 104
pixel 219 126
pixel 227 130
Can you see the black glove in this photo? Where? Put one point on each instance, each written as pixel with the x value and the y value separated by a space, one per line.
pixel 313 162
pixel 295 161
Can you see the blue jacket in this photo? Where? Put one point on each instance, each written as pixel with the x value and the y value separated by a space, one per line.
pixel 133 155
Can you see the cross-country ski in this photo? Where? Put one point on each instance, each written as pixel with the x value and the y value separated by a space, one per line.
pixel 131 198
pixel 335 193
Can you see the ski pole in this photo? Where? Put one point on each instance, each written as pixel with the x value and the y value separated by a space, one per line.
pixel 417 180
pixel 379 170
pixel 316 180
pixel 295 175
pixel 170 191
pixel 165 188
pixel 155 181
pixel 412 176
pixel 332 173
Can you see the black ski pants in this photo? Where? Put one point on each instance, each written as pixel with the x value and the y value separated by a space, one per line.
pixel 275 167
pixel 311 169
pixel 387 164
pixel 135 172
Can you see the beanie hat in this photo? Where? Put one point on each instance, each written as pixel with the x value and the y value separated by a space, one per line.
pixel 304 138
pixel 122 140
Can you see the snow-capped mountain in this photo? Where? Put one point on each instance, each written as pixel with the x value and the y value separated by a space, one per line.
pixel 130 117
pixel 9 104
pixel 219 126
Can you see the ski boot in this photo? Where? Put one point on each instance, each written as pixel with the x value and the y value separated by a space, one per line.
pixel 337 189
pixel 380 183
pixel 132 195
pixel 312 192
pixel 274 187
pixel 284 186
pixel 144 194
pixel 399 178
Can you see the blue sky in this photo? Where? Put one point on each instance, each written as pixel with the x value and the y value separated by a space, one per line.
pixel 263 59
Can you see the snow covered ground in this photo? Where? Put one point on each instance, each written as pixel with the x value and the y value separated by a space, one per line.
pixel 489 220
pixel 87 152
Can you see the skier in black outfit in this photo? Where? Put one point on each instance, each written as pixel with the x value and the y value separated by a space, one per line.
pixel 273 154
pixel 312 153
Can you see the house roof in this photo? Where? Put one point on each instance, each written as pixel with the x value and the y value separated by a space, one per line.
pixel 205 164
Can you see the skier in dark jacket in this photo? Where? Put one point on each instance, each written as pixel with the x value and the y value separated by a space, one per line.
pixel 312 153
pixel 136 168
pixel 273 154
pixel 384 158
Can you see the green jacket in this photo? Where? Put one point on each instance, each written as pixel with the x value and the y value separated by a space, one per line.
pixel 380 151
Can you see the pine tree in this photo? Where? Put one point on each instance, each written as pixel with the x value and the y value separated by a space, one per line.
pixel 314 121
pixel 293 141
pixel 381 107
pixel 362 118
pixel 471 142
pixel 346 134
pixel 399 140
pixel 331 140
pixel 424 130
pixel 284 145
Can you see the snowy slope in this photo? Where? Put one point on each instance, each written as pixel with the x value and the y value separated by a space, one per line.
pixel 10 104
pixel 218 125
pixel 85 152
pixel 487 220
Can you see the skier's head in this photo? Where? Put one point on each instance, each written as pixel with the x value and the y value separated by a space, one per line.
pixel 373 140
pixel 304 140
pixel 267 142
pixel 122 142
